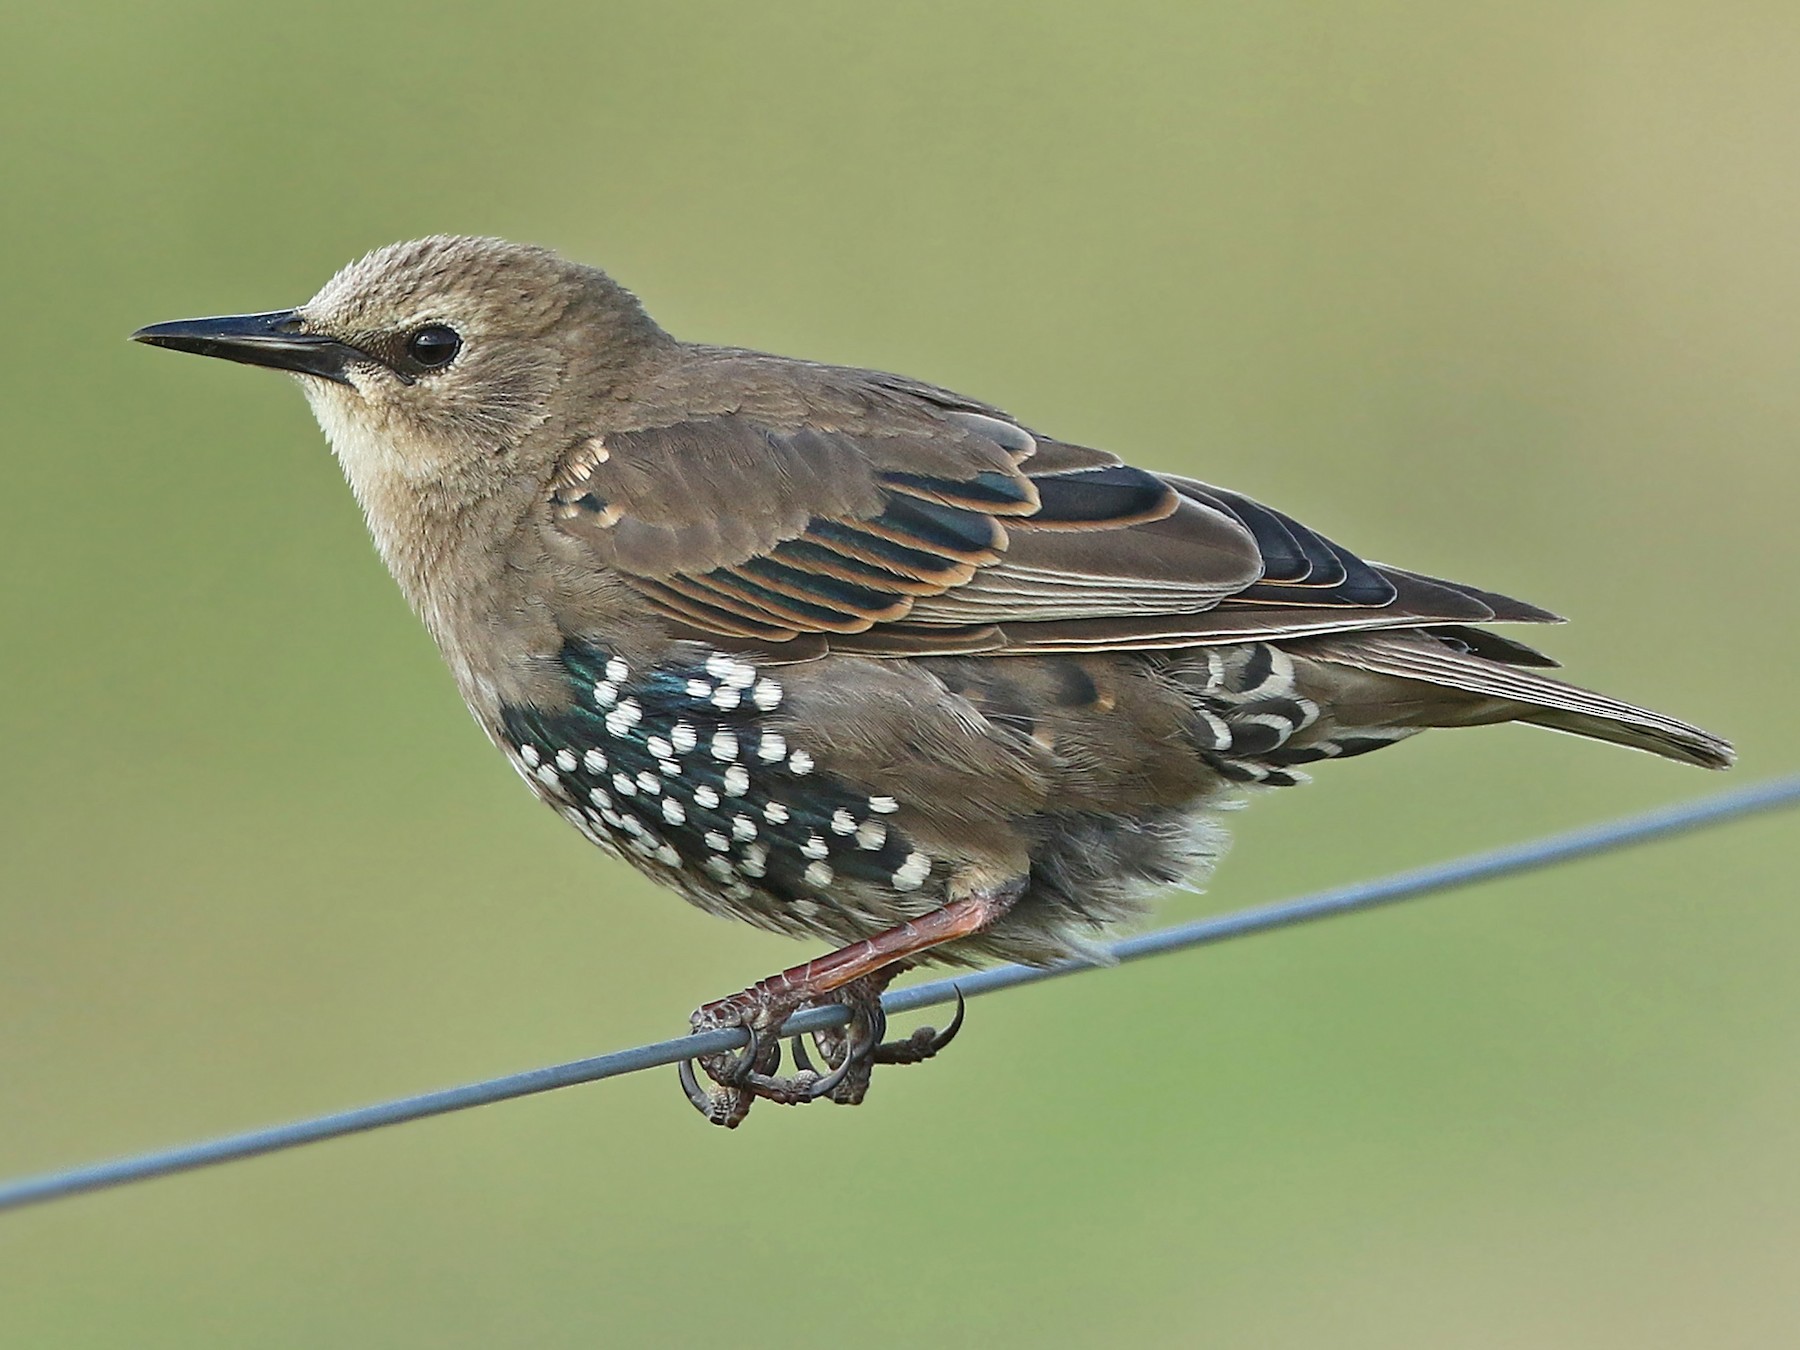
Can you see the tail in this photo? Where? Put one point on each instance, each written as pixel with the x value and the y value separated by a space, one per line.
pixel 1520 695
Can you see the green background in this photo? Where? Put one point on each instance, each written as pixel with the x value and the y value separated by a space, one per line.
pixel 1504 291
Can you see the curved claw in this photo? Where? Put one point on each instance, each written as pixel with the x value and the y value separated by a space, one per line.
pixel 725 1106
pixel 736 1071
pixel 745 1063
pixel 802 1060
pixel 878 1023
pixel 807 1086
pixel 948 1034
pixel 823 1087
pixel 728 1103
pixel 923 1043
pixel 690 1084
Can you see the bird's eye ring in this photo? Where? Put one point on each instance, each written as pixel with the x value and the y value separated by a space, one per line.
pixel 434 346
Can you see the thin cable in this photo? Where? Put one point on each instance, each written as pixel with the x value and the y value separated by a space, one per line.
pixel 1546 852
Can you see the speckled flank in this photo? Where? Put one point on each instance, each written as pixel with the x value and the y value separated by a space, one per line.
pixel 671 768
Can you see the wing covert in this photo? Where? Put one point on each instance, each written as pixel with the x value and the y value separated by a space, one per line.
pixel 937 527
pixel 762 532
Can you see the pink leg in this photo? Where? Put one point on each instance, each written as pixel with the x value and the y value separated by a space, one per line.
pixel 853 976
pixel 823 974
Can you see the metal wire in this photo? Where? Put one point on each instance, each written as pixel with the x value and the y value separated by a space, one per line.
pixel 1545 852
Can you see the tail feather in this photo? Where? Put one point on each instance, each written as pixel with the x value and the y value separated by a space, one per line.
pixel 1660 736
pixel 1535 698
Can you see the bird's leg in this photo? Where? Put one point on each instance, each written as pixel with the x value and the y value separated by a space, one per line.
pixel 853 977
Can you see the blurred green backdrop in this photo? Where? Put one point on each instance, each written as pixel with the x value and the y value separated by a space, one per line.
pixel 1504 291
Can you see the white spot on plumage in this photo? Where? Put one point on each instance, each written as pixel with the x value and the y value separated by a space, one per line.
pixel 594 762
pixel 815 847
pixel 669 768
pixel 624 717
pixel 728 671
pixel 600 797
pixel 800 762
pixel 548 776
pixel 673 811
pixel 724 745
pixel 660 747
pixel 606 693
pixel 589 825
pixel 649 782
pixel 726 698
pixel 816 874
pixel 771 747
pixel 806 909
pixel 871 835
pixel 737 781
pixel 884 806
pixel 683 737
pixel 566 761
pixel 622 781
pixel 775 813
pixel 707 795
pixel 755 860
pixel 667 856
pixel 721 869
pixel 717 842
pixel 842 822
pixel 742 828
pixel 766 694
pixel 617 671
pixel 529 753
pixel 911 874
pixel 699 689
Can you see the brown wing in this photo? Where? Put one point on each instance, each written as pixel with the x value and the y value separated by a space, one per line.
pixel 945 527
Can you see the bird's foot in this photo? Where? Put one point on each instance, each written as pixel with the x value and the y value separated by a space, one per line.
pixel 850 1052
pixel 860 1045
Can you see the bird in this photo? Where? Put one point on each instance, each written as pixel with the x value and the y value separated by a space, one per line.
pixel 849 656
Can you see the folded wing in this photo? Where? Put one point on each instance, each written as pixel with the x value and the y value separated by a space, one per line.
pixel 948 527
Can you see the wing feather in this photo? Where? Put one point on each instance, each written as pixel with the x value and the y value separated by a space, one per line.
pixel 849 511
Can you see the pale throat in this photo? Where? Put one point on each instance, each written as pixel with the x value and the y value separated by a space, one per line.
pixel 420 531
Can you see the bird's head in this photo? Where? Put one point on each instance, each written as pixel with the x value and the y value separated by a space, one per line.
pixel 432 361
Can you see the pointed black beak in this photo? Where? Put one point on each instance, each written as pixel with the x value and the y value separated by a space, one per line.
pixel 275 340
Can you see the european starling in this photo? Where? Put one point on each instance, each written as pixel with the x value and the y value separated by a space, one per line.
pixel 846 655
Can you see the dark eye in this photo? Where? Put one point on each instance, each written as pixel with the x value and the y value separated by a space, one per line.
pixel 434 345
